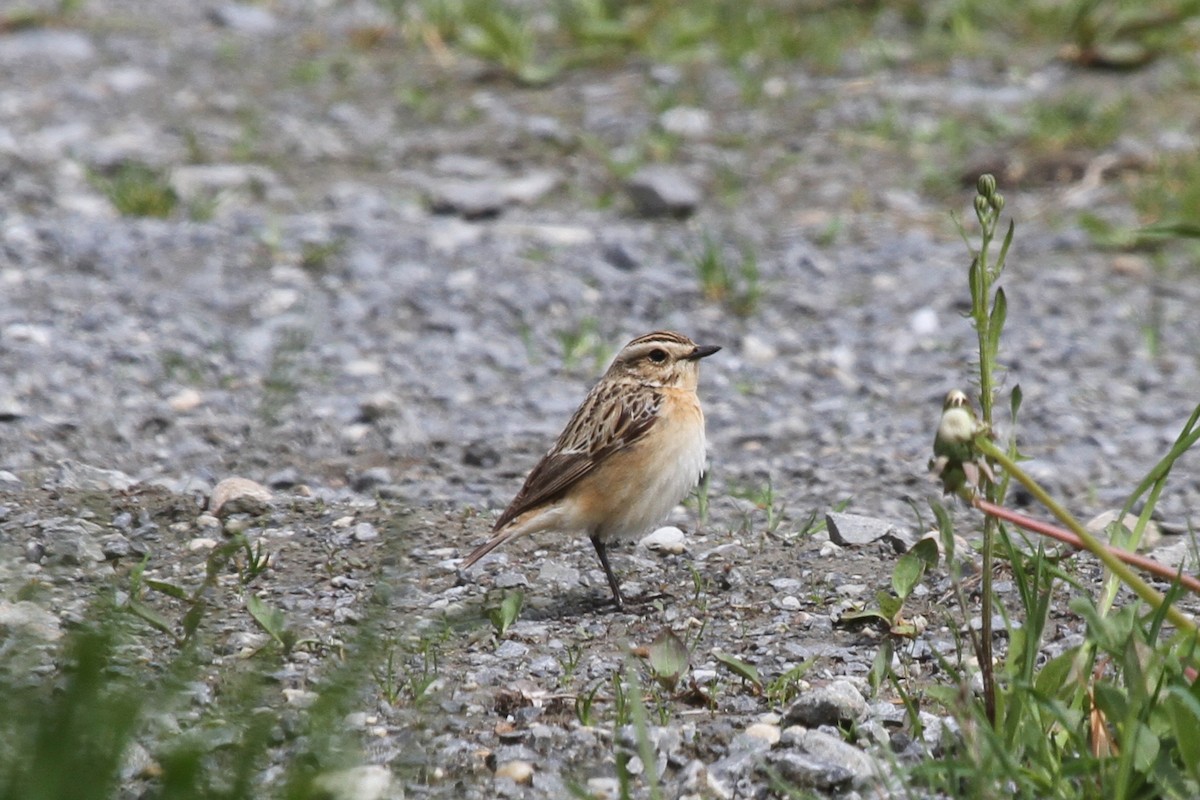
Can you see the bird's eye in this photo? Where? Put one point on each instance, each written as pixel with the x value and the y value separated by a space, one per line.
pixel 658 355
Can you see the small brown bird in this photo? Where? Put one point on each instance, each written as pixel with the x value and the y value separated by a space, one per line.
pixel 634 448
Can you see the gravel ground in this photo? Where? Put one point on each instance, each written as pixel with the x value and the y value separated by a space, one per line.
pixel 390 284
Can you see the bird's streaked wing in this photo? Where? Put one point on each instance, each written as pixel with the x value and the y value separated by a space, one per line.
pixel 611 419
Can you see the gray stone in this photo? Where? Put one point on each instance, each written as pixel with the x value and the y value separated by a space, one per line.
pixel 114 545
pixel 832 750
pixel 239 496
pixel 848 530
pixel 470 199
pixel 808 772
pixel 30 618
pixel 365 532
pixel 839 703
pixel 367 782
pixel 244 18
pixel 658 191
pixel 84 477
pixel 72 543
pixel 686 122
pixel 371 478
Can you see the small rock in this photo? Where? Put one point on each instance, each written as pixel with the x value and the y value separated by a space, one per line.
pixel 667 539
pixel 658 191
pixel 376 406
pixel 511 580
pixel 201 543
pixel 286 478
pixel 839 703
pixel 623 255
pixel 480 454
pixel 1151 534
pixel 832 750
pixel 239 495
pixel 195 183
pixel 114 545
pixel 560 576
pixel 807 772
pixel 855 529
pixel 75 475
pixel 604 788
pixel 469 199
pixel 511 649
pixel 301 698
pixel 31 618
pixel 765 731
pixel 365 532
pixel 367 782
pixel 244 18
pixel 71 545
pixel 520 772
pixel 185 400
pixel 529 189
pixel 924 322
pixel 686 122
pixel 369 479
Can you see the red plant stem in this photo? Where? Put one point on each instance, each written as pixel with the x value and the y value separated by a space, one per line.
pixel 1065 536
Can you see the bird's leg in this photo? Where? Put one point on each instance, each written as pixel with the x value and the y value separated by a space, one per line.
pixel 598 543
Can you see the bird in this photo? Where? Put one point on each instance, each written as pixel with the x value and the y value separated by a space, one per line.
pixel 632 451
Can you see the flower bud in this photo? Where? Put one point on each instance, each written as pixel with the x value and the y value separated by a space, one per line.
pixel 982 209
pixel 997 201
pixel 986 185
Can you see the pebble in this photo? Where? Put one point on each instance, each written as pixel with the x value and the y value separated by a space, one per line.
pixel 686 122
pixel 839 703
pixel 366 782
pixel 668 540
pixel 239 495
pixel 659 190
pixel 185 400
pixel 29 618
pixel 518 771
pixel 365 532
pixel 244 18
pixel 848 530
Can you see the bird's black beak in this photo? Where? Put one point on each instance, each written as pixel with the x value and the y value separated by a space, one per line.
pixel 703 351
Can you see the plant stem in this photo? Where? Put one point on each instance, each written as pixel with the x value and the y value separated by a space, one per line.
pixel 1089 542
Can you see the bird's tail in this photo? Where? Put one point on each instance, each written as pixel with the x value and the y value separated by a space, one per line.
pixel 498 538
pixel 530 522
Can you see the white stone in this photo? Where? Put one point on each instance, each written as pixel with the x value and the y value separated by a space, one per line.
pixel 367 782
pixel 185 400
pixel 520 772
pixel 667 539
pixel 765 731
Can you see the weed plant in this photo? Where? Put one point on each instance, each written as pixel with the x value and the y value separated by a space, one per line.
pixel 1116 716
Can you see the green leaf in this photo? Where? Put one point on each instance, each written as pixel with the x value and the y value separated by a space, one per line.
pixel 1053 676
pixel 945 526
pixel 269 618
pixel 191 620
pixel 747 672
pixel 996 321
pixel 504 615
pixel 912 565
pixel 150 617
pixel 1184 711
pixel 1014 403
pixel 668 657
pixel 881 664
pixel 1144 743
pixel 171 589
pixel 1008 238
pixel 889 606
